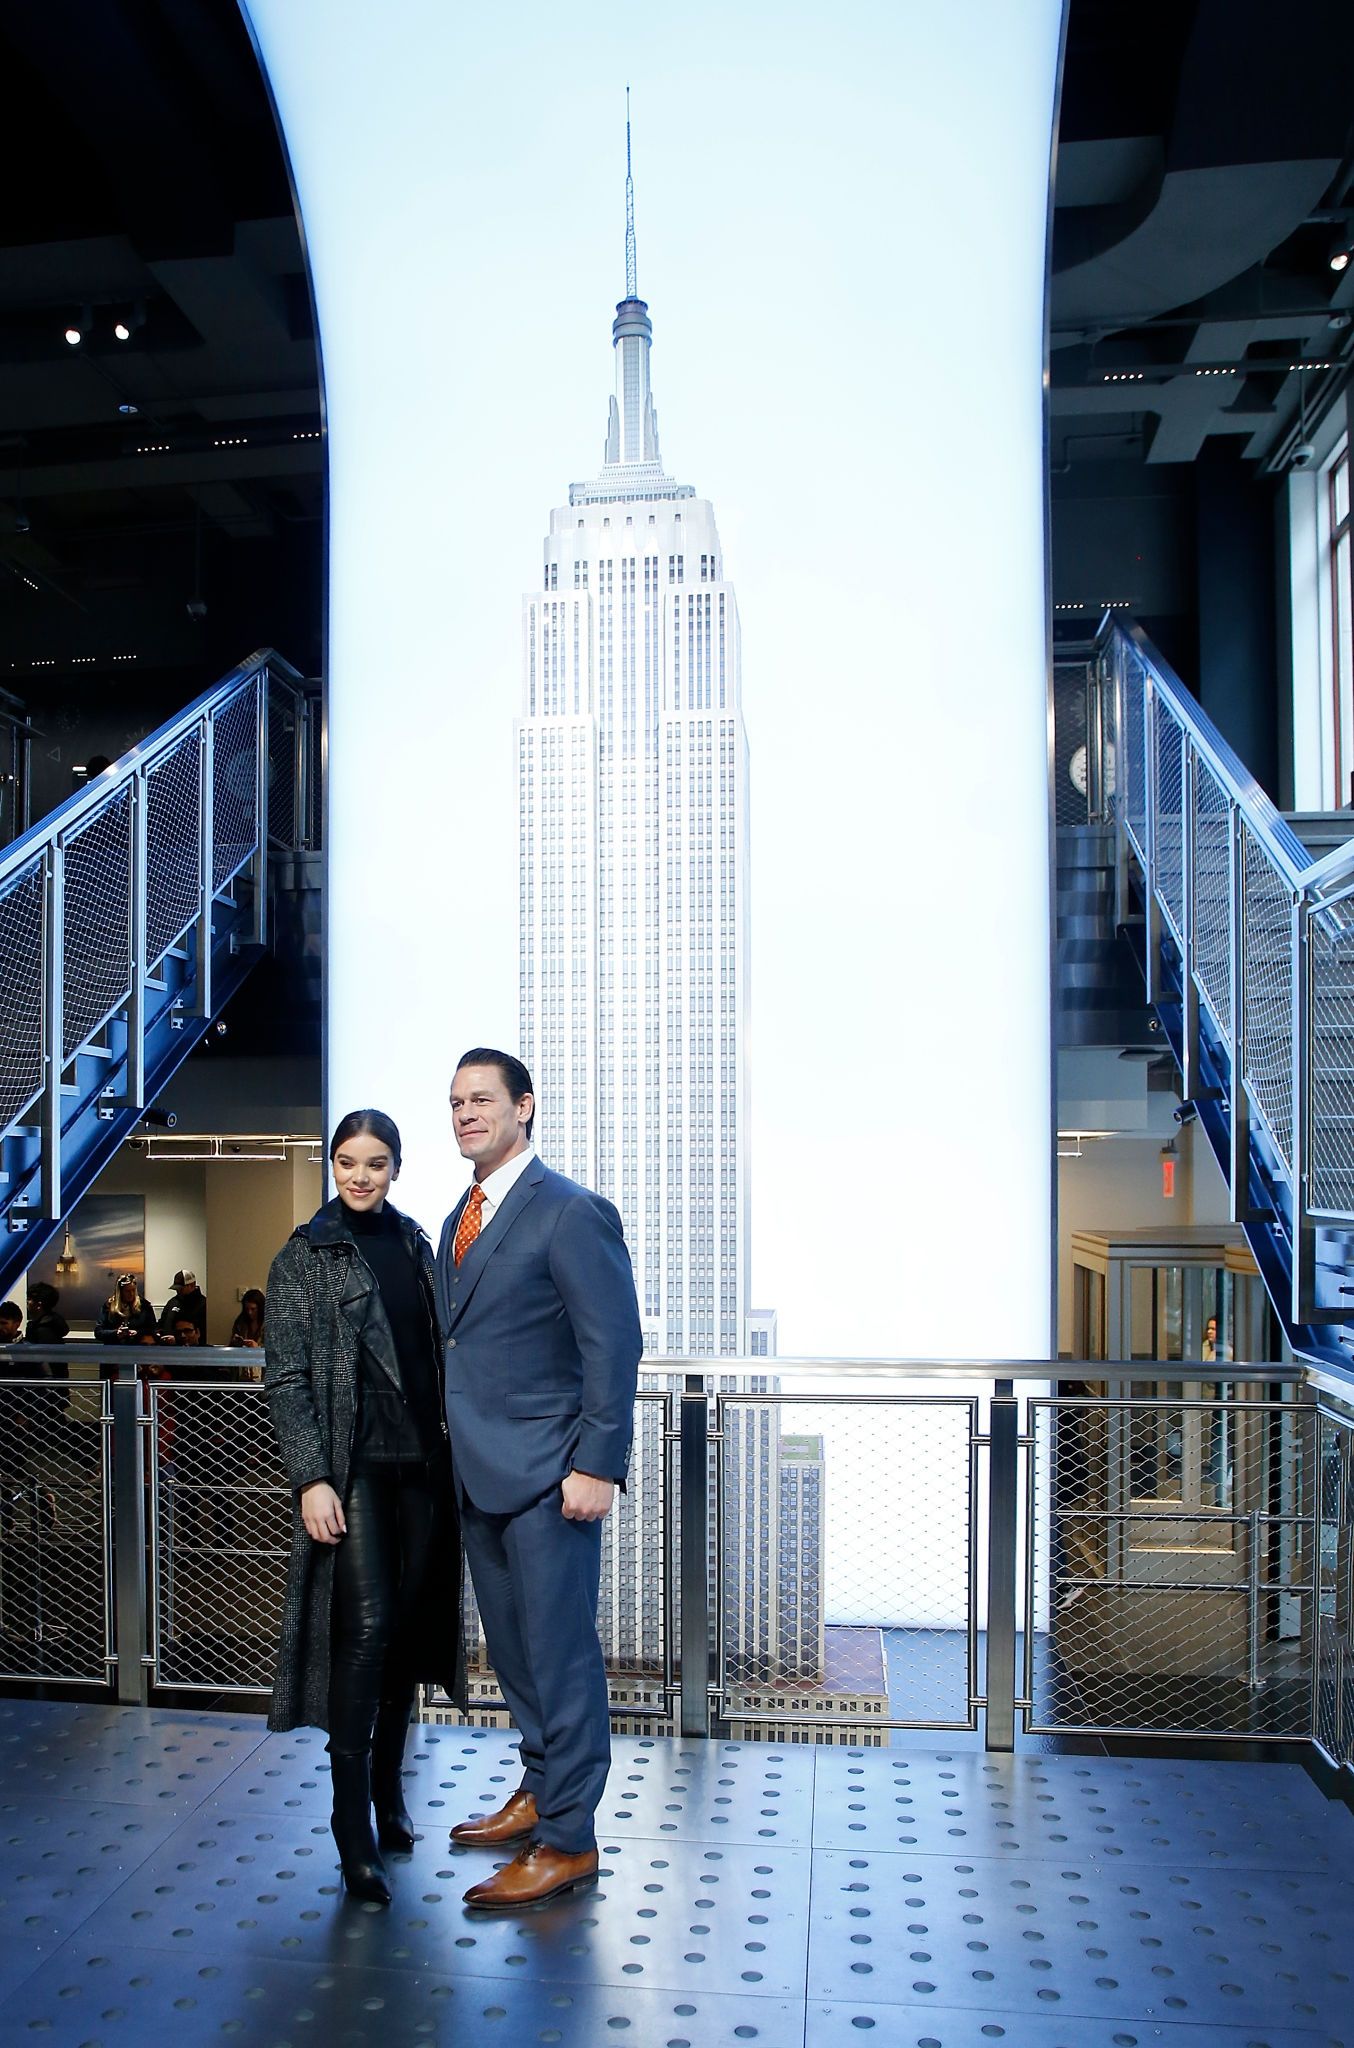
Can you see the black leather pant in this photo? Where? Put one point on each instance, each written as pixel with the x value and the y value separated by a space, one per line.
pixel 381 1577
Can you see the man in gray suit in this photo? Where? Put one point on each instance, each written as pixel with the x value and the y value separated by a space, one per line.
pixel 537 1301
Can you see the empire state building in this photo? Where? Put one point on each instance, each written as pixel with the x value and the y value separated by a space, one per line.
pixel 632 771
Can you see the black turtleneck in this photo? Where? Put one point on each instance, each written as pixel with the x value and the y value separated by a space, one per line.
pixel 392 1424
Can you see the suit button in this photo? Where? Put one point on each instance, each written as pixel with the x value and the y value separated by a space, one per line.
pixel 451 1343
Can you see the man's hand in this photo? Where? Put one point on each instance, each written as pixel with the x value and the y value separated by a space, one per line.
pixel 586 1499
pixel 322 1512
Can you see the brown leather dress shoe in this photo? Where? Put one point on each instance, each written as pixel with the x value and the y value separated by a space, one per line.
pixel 535 1874
pixel 509 1824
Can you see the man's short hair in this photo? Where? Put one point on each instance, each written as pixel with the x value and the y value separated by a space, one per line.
pixel 516 1079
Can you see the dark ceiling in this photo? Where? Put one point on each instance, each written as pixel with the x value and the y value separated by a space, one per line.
pixel 1203 165
pixel 182 464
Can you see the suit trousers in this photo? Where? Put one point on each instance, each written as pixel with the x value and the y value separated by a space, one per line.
pixel 536 1578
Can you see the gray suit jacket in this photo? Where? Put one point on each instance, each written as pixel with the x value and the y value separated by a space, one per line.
pixel 542 1343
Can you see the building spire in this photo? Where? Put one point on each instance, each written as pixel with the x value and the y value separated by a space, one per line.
pixel 631 463
pixel 631 278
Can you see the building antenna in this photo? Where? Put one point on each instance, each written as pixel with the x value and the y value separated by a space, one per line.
pixel 631 281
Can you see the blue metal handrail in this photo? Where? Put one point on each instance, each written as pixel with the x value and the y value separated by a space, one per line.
pixel 1249 957
pixel 129 912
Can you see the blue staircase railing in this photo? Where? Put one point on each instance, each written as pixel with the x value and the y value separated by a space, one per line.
pixel 128 916
pixel 1248 951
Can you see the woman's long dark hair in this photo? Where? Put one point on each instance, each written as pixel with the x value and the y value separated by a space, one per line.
pixel 369 1123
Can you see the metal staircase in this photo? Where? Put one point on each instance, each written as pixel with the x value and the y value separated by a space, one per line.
pixel 128 917
pixel 1246 941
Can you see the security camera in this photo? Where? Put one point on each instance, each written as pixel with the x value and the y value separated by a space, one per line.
pixel 1303 456
pixel 1185 1112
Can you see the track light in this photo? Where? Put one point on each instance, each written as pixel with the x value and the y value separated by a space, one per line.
pixel 74 336
pixel 121 330
pixel 1342 243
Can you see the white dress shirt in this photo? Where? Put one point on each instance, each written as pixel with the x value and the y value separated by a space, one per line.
pixel 499 1184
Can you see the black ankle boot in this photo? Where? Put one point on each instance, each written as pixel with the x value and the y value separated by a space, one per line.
pixel 364 1874
pixel 394 1828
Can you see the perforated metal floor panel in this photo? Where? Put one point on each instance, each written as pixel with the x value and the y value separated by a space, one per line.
pixel 167 1871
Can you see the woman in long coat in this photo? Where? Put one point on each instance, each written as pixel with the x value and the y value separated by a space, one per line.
pixel 353 1376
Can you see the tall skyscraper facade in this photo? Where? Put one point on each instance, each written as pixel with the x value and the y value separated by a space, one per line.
pixel 632 770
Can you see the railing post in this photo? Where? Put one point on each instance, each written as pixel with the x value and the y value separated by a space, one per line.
pixel 207 820
pixel 301 771
pixel 1149 833
pixel 258 932
pixel 1095 741
pixel 1189 990
pixel 694 1527
pixel 129 1540
pixel 53 1022
pixel 1239 1177
pixel 136 997
pixel 1003 1451
pixel 1304 1236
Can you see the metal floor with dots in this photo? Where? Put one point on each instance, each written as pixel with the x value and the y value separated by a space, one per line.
pixel 171 1875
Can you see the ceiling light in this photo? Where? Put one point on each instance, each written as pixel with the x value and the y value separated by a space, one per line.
pixel 74 336
pixel 122 330
pixel 1342 242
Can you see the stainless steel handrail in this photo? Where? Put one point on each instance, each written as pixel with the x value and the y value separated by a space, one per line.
pixel 1058 1462
pixel 84 803
pixel 97 896
pixel 1226 876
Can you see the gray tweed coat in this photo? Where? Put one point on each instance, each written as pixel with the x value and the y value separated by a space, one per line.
pixel 324 1309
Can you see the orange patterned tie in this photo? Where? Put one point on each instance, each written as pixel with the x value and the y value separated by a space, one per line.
pixel 468 1229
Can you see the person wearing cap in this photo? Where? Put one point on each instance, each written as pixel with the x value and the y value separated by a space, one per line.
pixel 186 1300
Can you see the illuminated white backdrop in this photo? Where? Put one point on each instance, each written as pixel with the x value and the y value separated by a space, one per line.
pixel 842 243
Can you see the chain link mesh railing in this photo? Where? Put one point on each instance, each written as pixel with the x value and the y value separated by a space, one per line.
pixel 284 711
pixel 1331 1056
pixel 1169 818
pixel 1335 1643
pixel 96 946
pixel 1132 682
pixel 55 1550
pixel 173 844
pixel 1188 1553
pixel 845 1563
pixel 220 1536
pixel 1172 1548
pixel 1212 895
pixel 21 1062
pixel 313 789
pixel 637 1606
pixel 1071 685
pixel 1268 985
pixel 235 799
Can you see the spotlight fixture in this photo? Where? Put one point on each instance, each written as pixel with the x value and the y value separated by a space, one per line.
pixel 121 330
pixel 74 336
pixel 1342 244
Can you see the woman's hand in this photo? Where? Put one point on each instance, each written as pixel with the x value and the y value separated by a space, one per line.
pixel 322 1512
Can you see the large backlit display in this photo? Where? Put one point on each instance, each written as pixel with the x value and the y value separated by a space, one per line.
pixel 842 241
